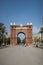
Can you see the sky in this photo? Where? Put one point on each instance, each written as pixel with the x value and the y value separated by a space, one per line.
pixel 21 12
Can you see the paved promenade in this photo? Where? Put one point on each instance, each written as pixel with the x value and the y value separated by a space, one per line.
pixel 21 55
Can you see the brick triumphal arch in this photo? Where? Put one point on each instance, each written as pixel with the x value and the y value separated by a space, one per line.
pixel 15 29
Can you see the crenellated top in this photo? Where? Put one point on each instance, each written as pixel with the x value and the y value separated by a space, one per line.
pixel 21 25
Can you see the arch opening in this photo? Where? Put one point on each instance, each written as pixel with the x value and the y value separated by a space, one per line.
pixel 21 38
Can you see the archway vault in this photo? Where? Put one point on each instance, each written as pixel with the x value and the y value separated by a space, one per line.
pixel 15 29
pixel 21 38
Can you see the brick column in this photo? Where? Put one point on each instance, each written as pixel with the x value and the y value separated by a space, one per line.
pixel 29 35
pixel 12 35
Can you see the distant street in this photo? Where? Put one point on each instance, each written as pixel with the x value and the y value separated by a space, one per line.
pixel 21 55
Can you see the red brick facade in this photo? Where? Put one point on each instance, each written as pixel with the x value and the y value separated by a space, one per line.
pixel 15 29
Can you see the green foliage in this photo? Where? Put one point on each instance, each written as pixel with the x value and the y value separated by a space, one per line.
pixel 41 30
pixel 8 40
pixel 23 41
pixel 2 28
pixel 18 40
pixel 1 41
pixel 3 34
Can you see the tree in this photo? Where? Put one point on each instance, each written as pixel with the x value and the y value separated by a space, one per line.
pixel 18 40
pixel 2 32
pixel 41 31
pixel 23 41
pixel 8 40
